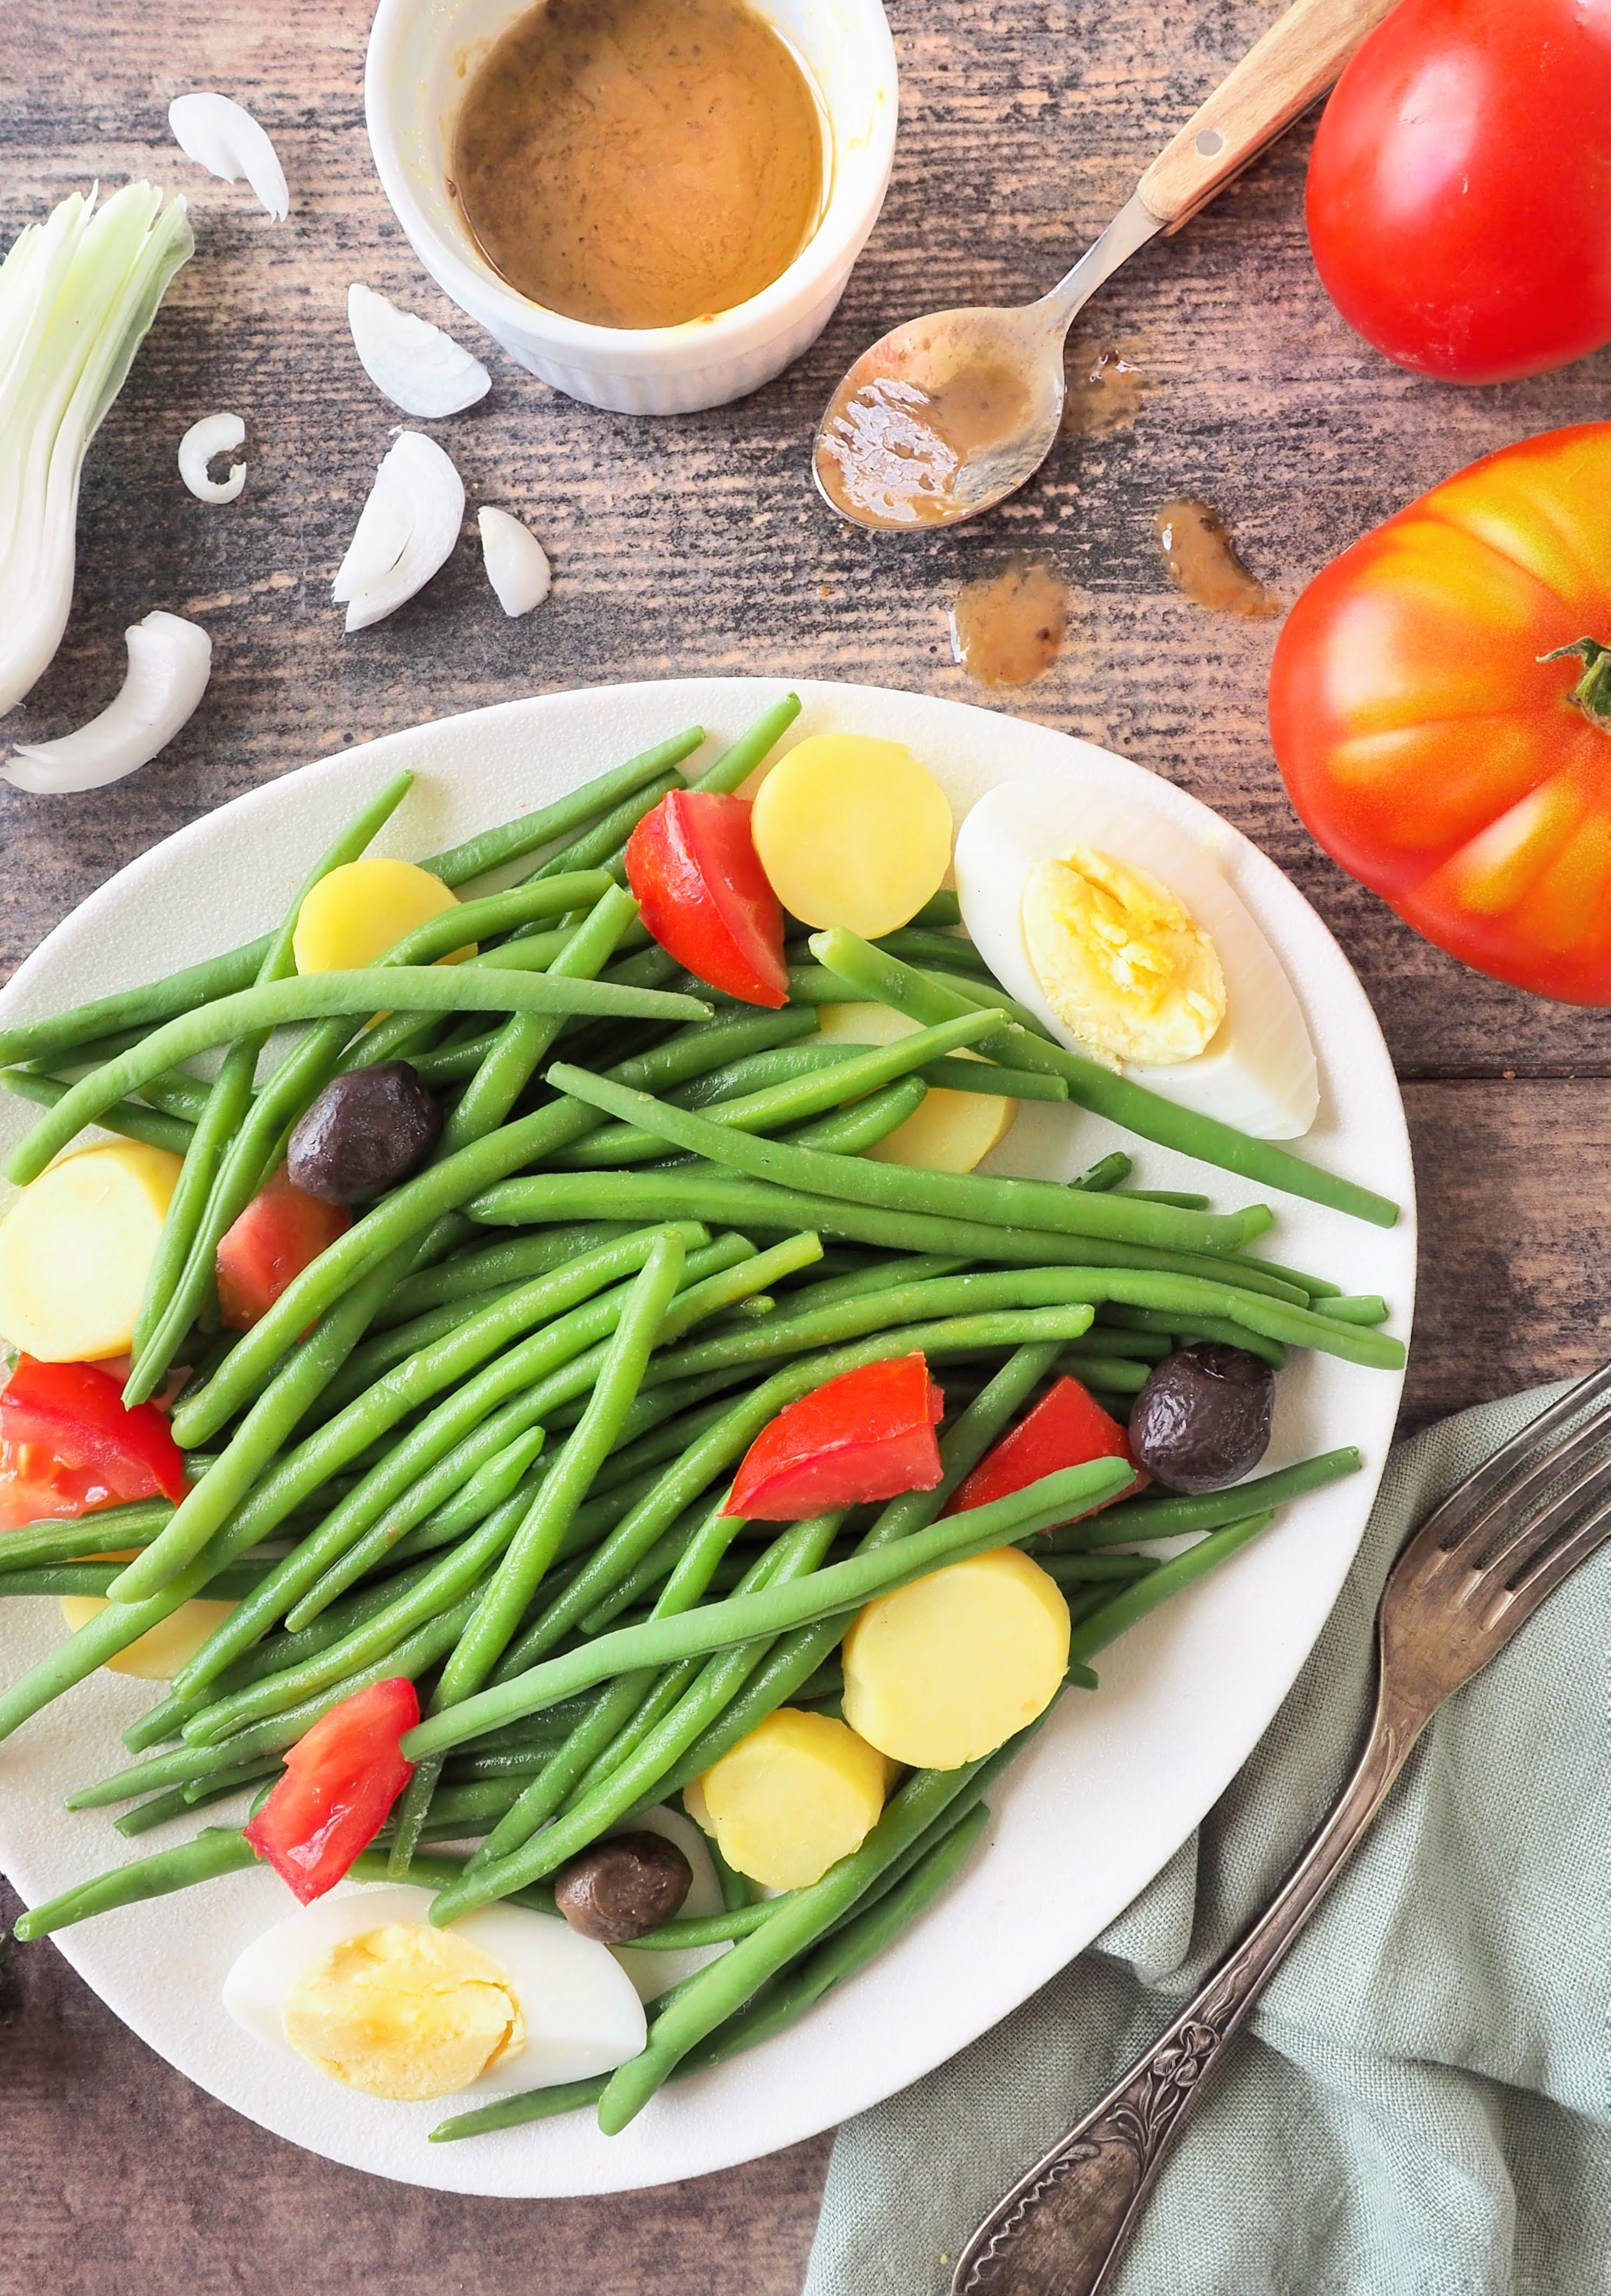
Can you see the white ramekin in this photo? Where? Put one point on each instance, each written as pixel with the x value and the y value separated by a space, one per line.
pixel 420 52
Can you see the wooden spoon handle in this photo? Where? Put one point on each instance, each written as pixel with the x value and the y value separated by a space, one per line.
pixel 1277 79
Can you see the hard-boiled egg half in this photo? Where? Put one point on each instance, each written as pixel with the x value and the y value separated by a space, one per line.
pixel 1119 933
pixel 363 1988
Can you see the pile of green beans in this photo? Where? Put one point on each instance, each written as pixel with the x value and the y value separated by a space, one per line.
pixel 498 1463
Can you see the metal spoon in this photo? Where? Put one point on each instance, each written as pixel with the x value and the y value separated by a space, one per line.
pixel 947 415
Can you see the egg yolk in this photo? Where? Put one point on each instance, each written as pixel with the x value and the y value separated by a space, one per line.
pixel 1120 960
pixel 406 2012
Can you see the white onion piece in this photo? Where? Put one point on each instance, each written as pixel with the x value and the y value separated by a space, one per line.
pixel 405 533
pixel 214 434
pixel 223 137
pixel 410 362
pixel 168 663
pixel 517 564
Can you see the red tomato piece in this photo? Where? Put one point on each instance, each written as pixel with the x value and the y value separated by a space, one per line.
pixel 1457 189
pixel 703 893
pixel 868 1434
pixel 281 1232
pixel 34 1486
pixel 1065 1428
pixel 341 1779
pixel 75 1412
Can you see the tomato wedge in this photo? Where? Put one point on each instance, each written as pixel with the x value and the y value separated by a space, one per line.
pixel 281 1232
pixel 75 1412
pixel 1067 1428
pixel 341 1779
pixel 868 1434
pixel 704 896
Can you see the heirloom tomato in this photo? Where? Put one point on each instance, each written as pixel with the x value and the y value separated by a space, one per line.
pixel 1440 703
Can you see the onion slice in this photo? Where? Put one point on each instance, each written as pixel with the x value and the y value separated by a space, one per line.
pixel 410 362
pixel 517 564
pixel 168 663
pixel 214 434
pixel 406 532
pixel 222 136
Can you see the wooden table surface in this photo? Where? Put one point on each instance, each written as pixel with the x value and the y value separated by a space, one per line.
pixel 695 545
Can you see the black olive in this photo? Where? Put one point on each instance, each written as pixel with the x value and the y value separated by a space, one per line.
pixel 623 1887
pixel 1203 1418
pixel 368 1129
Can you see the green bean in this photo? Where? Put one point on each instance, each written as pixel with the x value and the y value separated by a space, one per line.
pixel 442 1066
pixel 227 1102
pixel 301 1472
pixel 737 1891
pixel 1184 1329
pixel 58 1578
pixel 179 1801
pixel 1168 1517
pixel 1095 1569
pixel 311 996
pixel 403 1468
pixel 852 1131
pixel 1106 1173
pixel 525 1037
pixel 493 1481
pixel 1184 1199
pixel 127 1117
pixel 134 1525
pixel 739 761
pixel 376 1356
pixel 959 1195
pixel 1099 1089
pixel 723 1986
pixel 1143 1595
pixel 405 1659
pixel 816 1089
pixel 708 1929
pixel 1108 1375
pixel 598 847
pixel 1110 1340
pixel 402 1216
pixel 715 1626
pixel 214 1851
pixel 949 951
pixel 792 1557
pixel 613 1708
pixel 493 847
pixel 1366 1307
pixel 880 1275
pixel 535 1545
pixel 790 1061
pixel 495 1265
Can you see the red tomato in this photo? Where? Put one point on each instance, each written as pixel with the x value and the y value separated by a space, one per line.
pixel 1065 1428
pixel 1428 740
pixel 341 1780
pixel 868 1434
pixel 281 1232
pixel 704 896
pixel 74 1413
pixel 34 1486
pixel 1458 192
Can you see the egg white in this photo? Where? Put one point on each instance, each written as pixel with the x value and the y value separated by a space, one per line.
pixel 582 2012
pixel 1258 1072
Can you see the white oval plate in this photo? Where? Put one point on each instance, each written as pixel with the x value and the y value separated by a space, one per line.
pixel 1118 1779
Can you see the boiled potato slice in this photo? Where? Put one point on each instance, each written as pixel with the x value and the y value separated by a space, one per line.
pixel 162 1649
pixel 360 911
pixel 76 1249
pixel 852 831
pixel 952 1131
pixel 943 1671
pixel 798 1794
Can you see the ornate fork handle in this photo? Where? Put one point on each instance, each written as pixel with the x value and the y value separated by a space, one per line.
pixel 1060 2230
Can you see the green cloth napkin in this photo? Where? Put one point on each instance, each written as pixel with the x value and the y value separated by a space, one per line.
pixel 1421 2105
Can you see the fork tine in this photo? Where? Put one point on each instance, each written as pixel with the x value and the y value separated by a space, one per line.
pixel 1527 1538
pixel 1525 1594
pixel 1474 1501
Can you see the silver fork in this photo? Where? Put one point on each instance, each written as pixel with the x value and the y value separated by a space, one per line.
pixel 1480 1565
